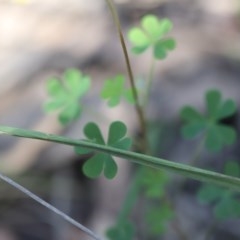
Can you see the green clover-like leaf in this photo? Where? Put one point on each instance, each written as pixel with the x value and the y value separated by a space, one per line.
pixel 64 95
pixel 232 168
pixel 152 33
pixel 114 89
pixel 226 205
pixel 217 135
pixel 102 162
pixel 209 193
pixel 122 231
pixel 218 109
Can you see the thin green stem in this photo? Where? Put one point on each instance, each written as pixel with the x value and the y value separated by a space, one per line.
pixel 149 82
pixel 49 206
pixel 131 196
pixel 192 162
pixel 138 107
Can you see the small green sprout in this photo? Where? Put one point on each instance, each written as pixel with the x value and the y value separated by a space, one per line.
pixel 65 94
pixel 102 162
pixel 217 134
pixel 226 205
pixel 114 89
pixel 152 33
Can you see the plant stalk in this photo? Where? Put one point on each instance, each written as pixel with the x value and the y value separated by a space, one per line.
pixel 149 83
pixel 131 196
pixel 146 160
pixel 139 110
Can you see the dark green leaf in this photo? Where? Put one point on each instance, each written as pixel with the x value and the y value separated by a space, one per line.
pixel 209 193
pixel 104 162
pixel 227 109
pixel 232 168
pixel 93 166
pixel 214 141
pixel 117 131
pixel 82 150
pixel 110 168
pixel 192 130
pixel 124 143
pixel 227 208
pixel 228 134
pixel 213 99
pixel 92 132
pixel 190 114
pixel 217 134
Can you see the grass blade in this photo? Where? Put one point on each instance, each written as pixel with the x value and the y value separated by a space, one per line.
pixel 182 169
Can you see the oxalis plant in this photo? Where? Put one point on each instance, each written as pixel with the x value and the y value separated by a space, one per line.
pixel 150 178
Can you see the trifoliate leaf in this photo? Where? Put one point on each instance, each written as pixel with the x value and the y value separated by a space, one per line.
pixel 102 162
pixel 217 135
pixel 114 89
pixel 151 33
pixel 227 208
pixel 226 204
pixel 218 109
pixel 64 95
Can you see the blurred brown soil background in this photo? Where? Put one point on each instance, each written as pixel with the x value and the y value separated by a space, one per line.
pixel 39 39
